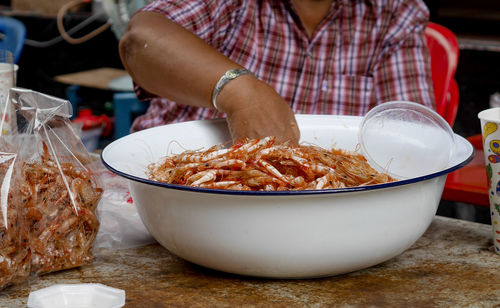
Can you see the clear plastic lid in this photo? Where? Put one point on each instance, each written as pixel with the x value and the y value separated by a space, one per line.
pixel 84 295
pixel 406 139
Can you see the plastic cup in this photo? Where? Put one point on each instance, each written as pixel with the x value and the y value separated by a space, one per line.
pixel 8 75
pixel 406 140
pixel 490 128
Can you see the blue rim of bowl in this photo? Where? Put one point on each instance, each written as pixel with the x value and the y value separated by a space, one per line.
pixel 292 192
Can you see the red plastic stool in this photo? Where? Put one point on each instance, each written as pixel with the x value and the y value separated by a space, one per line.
pixel 469 184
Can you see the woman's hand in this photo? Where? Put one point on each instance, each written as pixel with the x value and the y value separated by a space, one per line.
pixel 255 110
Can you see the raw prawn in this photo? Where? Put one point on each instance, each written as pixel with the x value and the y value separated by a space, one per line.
pixel 260 164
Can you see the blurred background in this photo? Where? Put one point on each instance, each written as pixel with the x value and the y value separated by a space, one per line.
pixel 51 64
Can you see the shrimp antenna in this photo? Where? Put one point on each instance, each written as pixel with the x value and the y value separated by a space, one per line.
pixel 357 148
pixel 387 166
pixel 169 145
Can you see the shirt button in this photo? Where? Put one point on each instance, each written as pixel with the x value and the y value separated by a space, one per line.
pixel 324 86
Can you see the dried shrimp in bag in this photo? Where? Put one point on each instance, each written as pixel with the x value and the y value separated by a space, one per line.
pixel 59 201
pixel 14 246
pixel 264 165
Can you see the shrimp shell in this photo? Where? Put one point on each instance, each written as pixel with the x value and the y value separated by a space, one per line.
pixel 260 164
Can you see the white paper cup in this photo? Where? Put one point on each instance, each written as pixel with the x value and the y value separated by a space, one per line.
pixel 490 128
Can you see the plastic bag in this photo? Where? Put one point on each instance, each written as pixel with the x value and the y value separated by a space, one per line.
pixel 14 250
pixel 121 226
pixel 57 183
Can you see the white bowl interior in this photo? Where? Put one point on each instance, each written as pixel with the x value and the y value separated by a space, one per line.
pixel 132 154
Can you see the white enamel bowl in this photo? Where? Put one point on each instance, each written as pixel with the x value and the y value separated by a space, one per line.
pixel 295 234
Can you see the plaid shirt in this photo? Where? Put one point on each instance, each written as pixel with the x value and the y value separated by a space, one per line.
pixel 363 53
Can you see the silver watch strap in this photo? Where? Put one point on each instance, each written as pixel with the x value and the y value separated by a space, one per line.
pixel 227 77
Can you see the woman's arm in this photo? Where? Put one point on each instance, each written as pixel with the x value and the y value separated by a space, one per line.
pixel 171 62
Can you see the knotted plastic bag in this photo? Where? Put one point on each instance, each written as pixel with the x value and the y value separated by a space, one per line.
pixel 58 189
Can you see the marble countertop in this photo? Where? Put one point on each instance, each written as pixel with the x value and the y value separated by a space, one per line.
pixel 452 264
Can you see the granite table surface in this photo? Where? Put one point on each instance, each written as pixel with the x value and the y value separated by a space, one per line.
pixel 451 265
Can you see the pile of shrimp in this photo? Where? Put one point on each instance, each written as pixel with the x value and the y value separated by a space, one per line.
pixel 14 247
pixel 264 165
pixel 59 200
